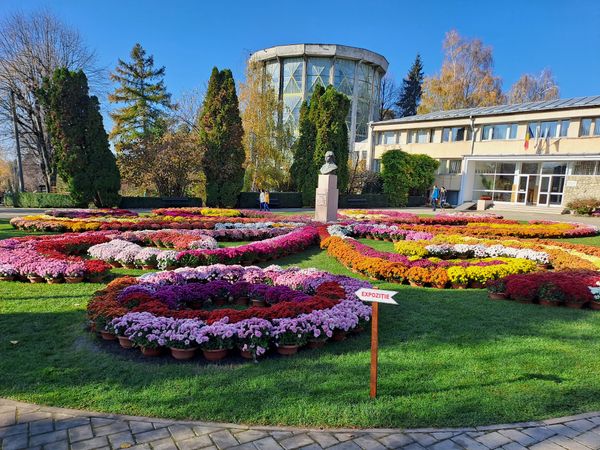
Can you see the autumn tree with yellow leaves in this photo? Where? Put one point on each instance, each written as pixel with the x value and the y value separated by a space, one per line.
pixel 466 79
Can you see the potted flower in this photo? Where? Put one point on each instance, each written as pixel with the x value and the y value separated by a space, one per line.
pixel 418 276
pixel 120 326
pixel 167 260
pixel 216 339
pixel 74 272
pixel 239 293
pixel 290 334
pixel 550 295
pixel 7 273
pixel 253 337
pixel 52 271
pixel 147 258
pixel 257 295
pixel 320 328
pixel 458 277
pixel 147 332
pixel 181 338
pixel 95 271
pixel 595 290
pixel 439 278
pixel 496 289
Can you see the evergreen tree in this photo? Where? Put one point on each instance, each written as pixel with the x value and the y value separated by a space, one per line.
pixel 143 117
pixel 332 134
pixel 410 93
pixel 302 173
pixel 84 159
pixel 221 133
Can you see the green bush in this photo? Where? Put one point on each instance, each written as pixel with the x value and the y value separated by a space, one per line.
pixel 584 206
pixel 158 202
pixel 370 201
pixel 39 200
pixel 405 174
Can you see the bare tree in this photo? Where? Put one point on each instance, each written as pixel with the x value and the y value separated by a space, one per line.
pixel 32 46
pixel 187 108
pixel 388 98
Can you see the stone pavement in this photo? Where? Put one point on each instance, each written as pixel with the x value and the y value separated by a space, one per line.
pixel 27 426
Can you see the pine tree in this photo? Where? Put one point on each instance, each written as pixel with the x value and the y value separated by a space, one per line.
pixel 410 93
pixel 141 88
pixel 84 159
pixel 221 133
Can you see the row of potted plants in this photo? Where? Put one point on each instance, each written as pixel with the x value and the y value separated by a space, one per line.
pixel 432 272
pixel 119 252
pixel 51 259
pixel 163 310
pixel 79 213
pixel 573 289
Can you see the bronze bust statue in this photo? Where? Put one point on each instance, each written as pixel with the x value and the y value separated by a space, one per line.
pixel 329 167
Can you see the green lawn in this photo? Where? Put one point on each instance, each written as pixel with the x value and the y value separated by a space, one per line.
pixel 447 358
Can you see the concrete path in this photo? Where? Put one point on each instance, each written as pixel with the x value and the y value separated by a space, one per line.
pixel 27 426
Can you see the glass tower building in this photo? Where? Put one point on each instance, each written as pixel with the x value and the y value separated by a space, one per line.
pixel 295 71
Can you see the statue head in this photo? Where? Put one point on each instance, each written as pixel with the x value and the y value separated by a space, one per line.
pixel 329 157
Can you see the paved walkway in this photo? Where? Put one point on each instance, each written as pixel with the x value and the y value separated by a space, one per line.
pixel 27 426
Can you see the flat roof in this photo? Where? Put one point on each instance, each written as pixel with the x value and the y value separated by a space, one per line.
pixel 321 50
pixel 547 105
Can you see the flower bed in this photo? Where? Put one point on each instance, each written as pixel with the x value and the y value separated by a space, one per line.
pixel 124 252
pixel 172 309
pixel 574 289
pixel 51 258
pixel 74 213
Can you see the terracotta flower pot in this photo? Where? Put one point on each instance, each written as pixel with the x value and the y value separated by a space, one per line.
pixel 339 335
pixel 574 305
pixel 459 285
pixel 96 278
pixel 415 283
pixel 108 336
pixel 125 342
pixel 246 354
pixel 129 266
pixel 151 351
pixel 287 350
pixel 357 330
pixel 72 280
pixel 243 301
pixel 35 279
pixel 115 264
pixel 317 343
pixel 7 278
pixel 92 326
pixel 524 300
pixel 595 305
pixel 219 302
pixel 147 266
pixel 259 303
pixel 497 295
pixel 183 353
pixel 215 355
pixel 171 267
pixel 477 285
pixel 54 280
pixel 544 302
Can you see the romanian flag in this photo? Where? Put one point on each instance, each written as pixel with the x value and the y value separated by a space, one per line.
pixel 528 135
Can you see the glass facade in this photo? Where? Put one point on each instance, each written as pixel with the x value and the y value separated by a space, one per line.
pixel 295 79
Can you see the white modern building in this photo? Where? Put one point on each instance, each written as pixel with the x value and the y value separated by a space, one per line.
pixel 295 70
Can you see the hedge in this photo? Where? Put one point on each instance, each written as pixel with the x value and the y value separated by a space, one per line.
pixel 39 200
pixel 278 200
pixel 158 202
pixel 363 201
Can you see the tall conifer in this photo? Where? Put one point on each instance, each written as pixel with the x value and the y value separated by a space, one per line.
pixel 410 93
pixel 220 133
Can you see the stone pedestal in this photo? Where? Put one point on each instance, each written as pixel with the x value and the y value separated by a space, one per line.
pixel 326 201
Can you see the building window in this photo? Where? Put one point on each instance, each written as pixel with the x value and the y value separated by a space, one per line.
pixel 389 137
pixel 499 132
pixel 554 168
pixel 585 129
pixel 597 127
pixel 564 127
pixel 454 166
pixel 584 168
pixel 376 165
pixel 418 136
pixel 456 134
pixel 364 154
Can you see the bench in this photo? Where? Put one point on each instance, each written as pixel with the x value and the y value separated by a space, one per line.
pixel 173 202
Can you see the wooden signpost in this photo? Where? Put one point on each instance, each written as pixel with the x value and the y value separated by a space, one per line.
pixel 375 296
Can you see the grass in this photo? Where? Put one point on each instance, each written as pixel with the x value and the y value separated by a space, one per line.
pixel 447 358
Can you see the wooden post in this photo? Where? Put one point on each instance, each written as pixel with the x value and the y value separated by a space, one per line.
pixel 374 347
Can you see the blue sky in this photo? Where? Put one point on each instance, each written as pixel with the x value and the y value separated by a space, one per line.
pixel 189 37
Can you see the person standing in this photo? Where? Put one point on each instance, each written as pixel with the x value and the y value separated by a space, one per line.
pixel 267 201
pixel 442 196
pixel 435 196
pixel 261 200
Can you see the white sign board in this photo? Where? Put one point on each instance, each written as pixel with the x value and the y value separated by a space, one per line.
pixel 571 183
pixel 376 295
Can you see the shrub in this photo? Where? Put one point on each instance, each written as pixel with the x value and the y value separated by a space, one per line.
pixel 405 174
pixel 39 200
pixel 584 206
